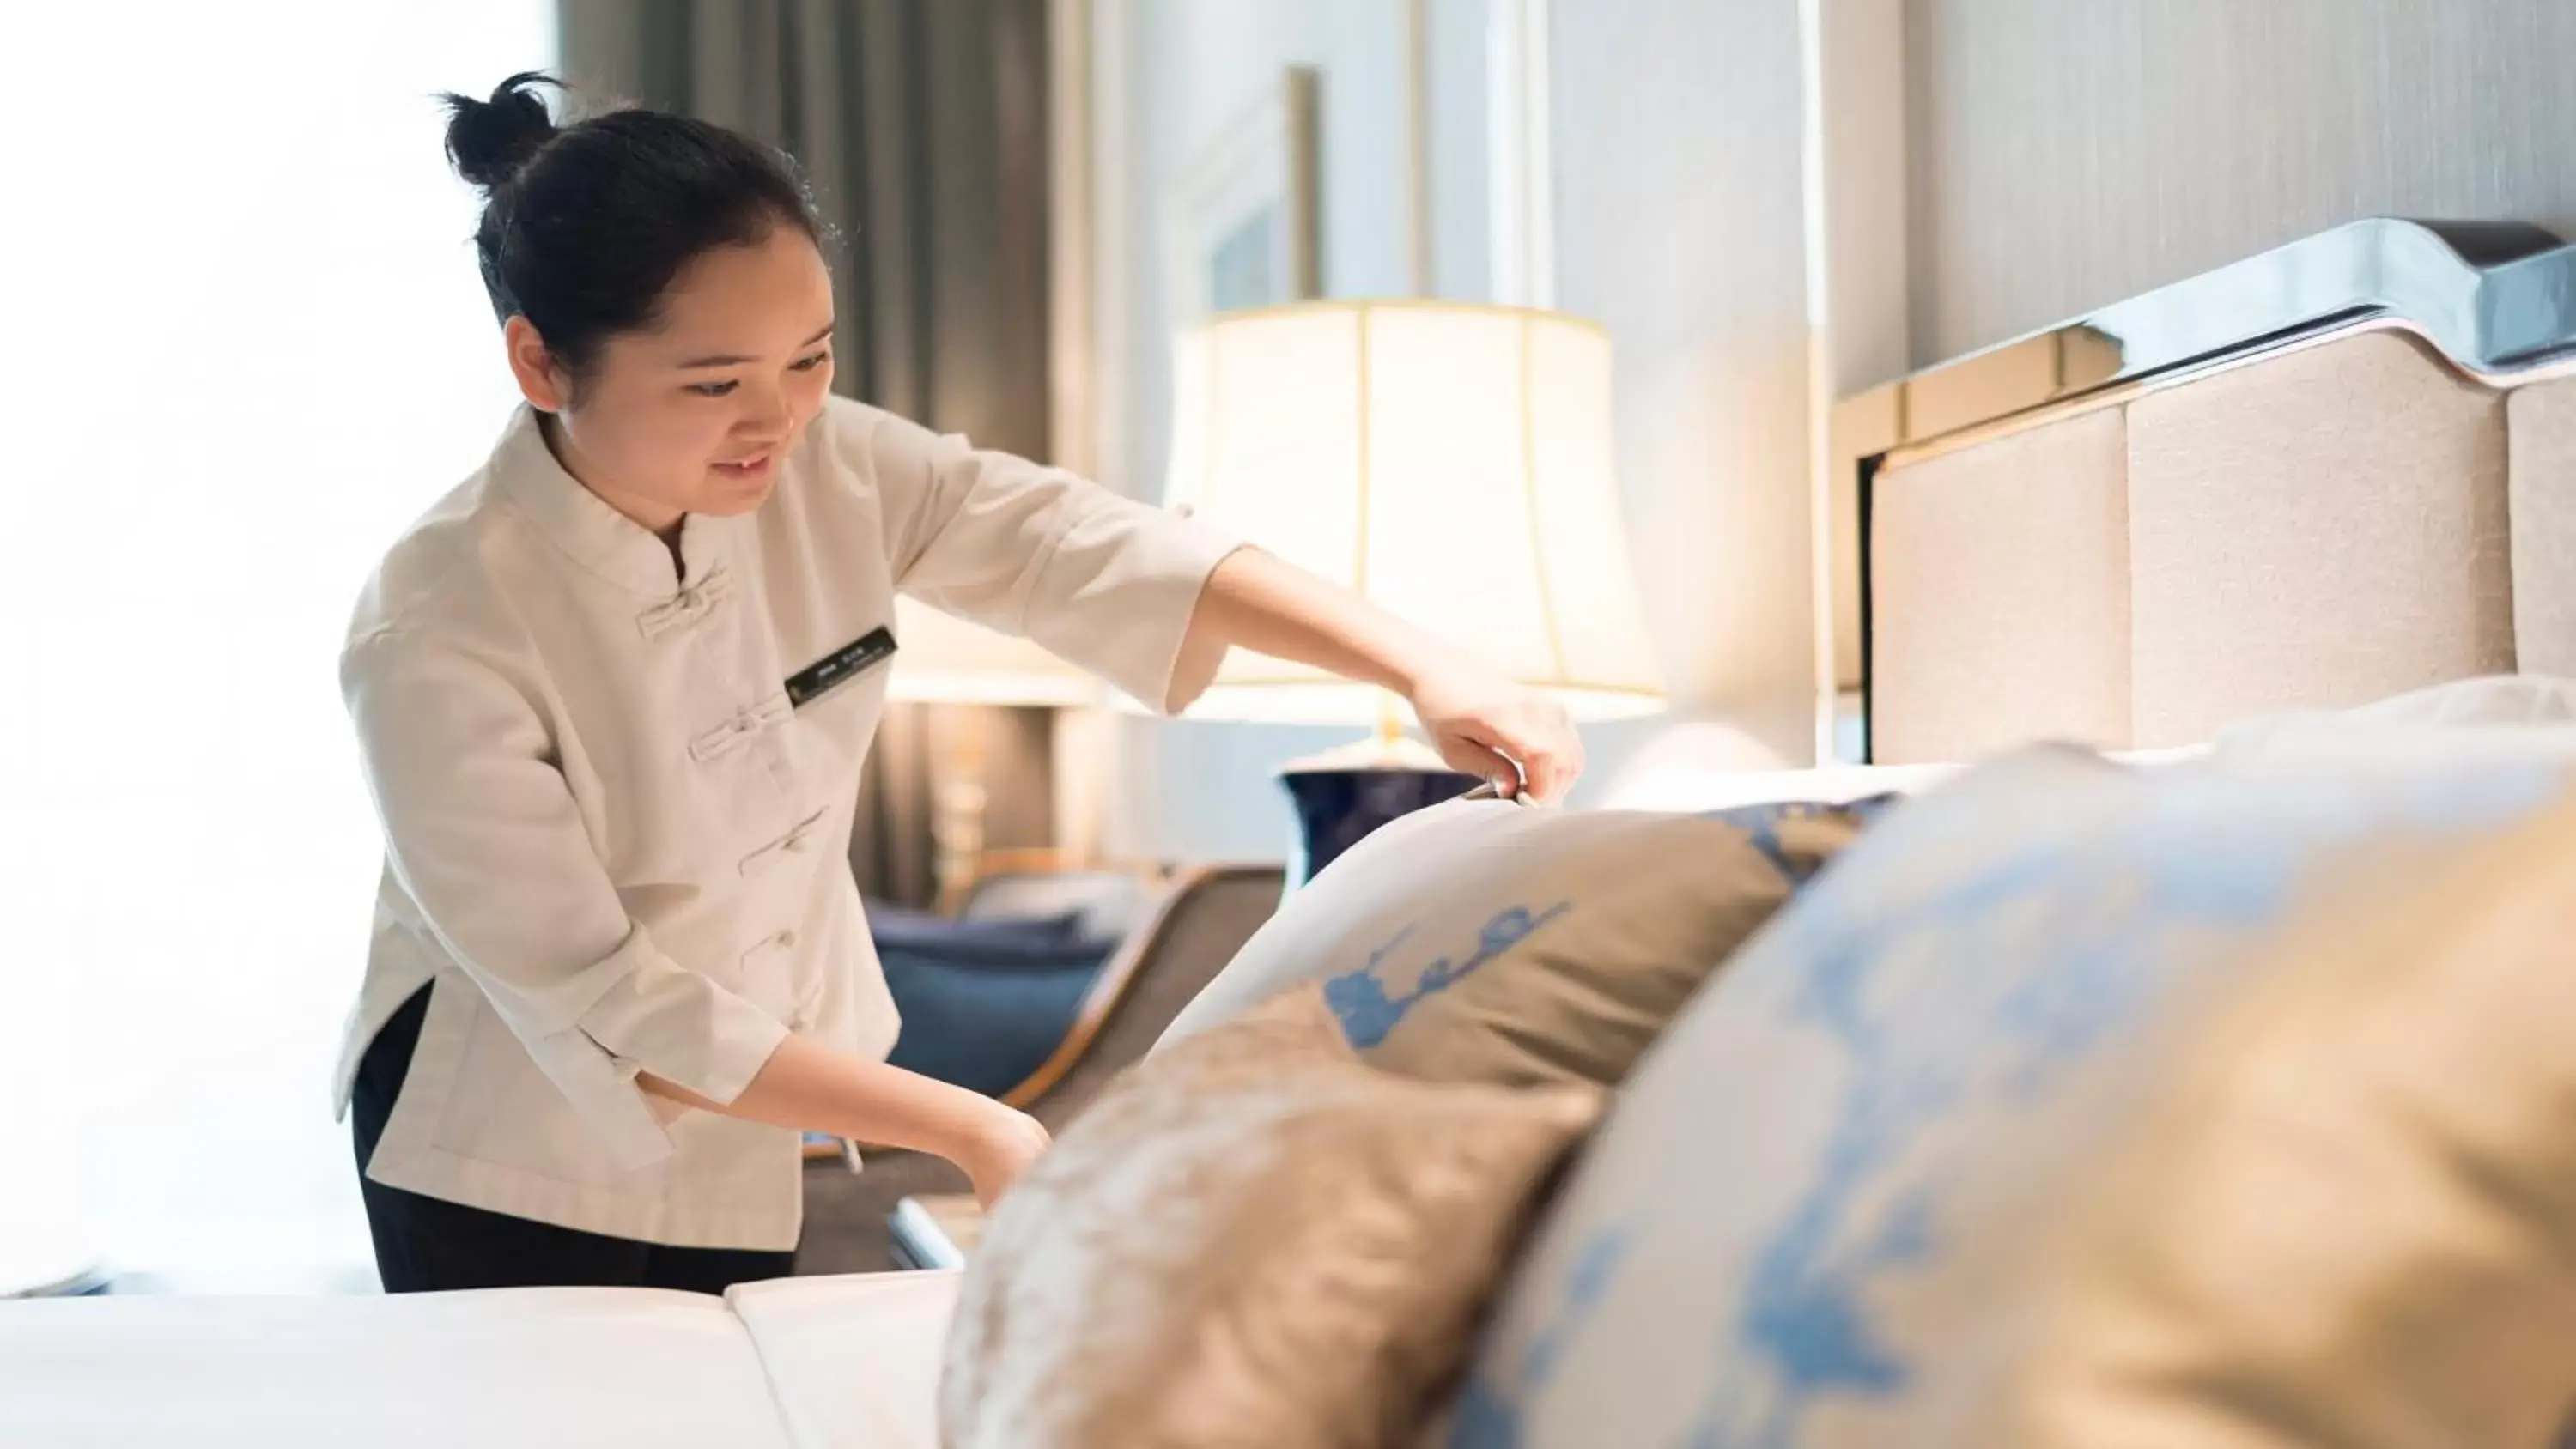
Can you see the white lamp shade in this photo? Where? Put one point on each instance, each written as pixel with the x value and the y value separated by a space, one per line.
pixel 942 659
pixel 1452 463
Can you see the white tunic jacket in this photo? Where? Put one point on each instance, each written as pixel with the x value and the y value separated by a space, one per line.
pixel 615 845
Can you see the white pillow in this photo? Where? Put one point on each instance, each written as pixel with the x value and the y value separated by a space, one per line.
pixel 1678 789
pixel 2501 700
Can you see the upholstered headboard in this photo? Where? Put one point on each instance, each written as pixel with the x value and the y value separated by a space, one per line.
pixel 2331 473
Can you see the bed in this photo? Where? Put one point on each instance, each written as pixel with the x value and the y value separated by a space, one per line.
pixel 2332 474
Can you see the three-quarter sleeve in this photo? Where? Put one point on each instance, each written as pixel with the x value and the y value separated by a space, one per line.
pixel 1103 581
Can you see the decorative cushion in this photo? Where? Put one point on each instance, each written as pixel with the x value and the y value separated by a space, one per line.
pixel 1248 1239
pixel 984 1003
pixel 1005 939
pixel 982 1028
pixel 1483 941
pixel 2217 1104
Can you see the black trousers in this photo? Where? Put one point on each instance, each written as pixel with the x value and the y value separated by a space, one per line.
pixel 426 1245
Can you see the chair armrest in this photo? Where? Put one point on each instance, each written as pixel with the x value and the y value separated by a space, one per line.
pixel 1189 935
pixel 1193 929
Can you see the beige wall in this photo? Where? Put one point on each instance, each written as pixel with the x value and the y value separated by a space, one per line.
pixel 1173 77
pixel 2068 153
pixel 1679 224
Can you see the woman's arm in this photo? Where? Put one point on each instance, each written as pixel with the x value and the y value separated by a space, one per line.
pixel 1481 724
pixel 811 1087
pixel 1108 583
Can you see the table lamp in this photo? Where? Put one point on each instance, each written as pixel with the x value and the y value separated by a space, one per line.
pixel 942 659
pixel 1453 464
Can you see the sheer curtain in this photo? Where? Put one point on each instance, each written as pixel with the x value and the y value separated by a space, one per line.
pixel 245 346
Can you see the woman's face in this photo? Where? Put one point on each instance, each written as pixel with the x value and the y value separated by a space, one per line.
pixel 694 415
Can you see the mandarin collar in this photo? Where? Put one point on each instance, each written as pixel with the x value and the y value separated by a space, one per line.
pixel 584 526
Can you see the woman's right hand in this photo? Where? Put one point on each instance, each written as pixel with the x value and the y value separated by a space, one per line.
pixel 1002 1145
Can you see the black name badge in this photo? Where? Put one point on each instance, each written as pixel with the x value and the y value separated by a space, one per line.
pixel 840 666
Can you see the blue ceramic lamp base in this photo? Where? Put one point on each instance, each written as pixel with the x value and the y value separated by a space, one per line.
pixel 1343 795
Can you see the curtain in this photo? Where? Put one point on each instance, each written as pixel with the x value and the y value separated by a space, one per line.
pixel 922 126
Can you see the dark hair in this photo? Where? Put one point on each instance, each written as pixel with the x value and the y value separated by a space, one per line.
pixel 585 225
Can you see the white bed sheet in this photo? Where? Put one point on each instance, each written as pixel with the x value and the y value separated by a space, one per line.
pixel 818 1363
pixel 853 1361
pixel 500 1368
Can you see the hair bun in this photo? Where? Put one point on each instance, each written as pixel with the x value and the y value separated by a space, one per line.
pixel 488 141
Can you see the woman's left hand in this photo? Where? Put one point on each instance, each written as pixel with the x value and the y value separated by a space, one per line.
pixel 1501 731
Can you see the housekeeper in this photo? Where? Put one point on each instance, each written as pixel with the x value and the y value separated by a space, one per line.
pixel 613 694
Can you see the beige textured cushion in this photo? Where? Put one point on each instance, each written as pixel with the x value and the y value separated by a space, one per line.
pixel 1484 941
pixel 1250 1239
pixel 2544 526
pixel 2317 530
pixel 2000 595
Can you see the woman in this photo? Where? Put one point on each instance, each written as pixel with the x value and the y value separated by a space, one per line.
pixel 613 695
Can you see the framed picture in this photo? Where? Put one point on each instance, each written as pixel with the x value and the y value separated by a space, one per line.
pixel 1245 224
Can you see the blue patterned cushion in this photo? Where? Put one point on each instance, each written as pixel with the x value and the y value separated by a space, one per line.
pixel 2078 1106
pixel 1482 941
